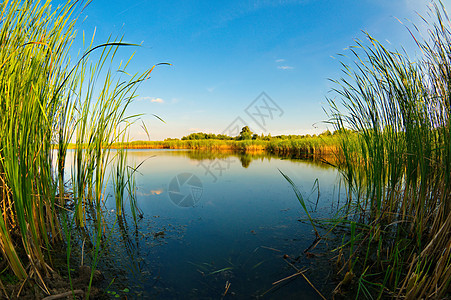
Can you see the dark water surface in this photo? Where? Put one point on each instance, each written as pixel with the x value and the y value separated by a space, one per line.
pixel 210 220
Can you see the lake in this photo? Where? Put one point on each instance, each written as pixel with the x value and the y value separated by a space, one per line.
pixel 217 220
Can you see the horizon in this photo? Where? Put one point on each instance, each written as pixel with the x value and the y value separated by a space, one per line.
pixel 264 64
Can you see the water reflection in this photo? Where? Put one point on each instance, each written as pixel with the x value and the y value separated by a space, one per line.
pixel 244 230
pixel 246 158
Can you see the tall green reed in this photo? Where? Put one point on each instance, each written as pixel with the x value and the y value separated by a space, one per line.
pixel 48 100
pixel 396 162
pixel 33 60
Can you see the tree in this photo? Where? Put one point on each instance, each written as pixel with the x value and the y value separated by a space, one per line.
pixel 245 134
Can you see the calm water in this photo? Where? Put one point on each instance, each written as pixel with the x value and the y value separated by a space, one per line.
pixel 215 219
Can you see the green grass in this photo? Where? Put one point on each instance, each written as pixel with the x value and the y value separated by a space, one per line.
pixel 302 147
pixel 397 166
pixel 47 100
pixel 396 161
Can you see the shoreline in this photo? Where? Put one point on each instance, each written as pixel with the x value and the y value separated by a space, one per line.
pixel 308 147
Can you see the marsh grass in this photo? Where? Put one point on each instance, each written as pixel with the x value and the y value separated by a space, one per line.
pixel 47 101
pixel 301 147
pixel 397 167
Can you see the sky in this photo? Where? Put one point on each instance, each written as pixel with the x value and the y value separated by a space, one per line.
pixel 265 64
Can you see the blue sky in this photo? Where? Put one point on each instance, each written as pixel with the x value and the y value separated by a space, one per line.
pixel 224 54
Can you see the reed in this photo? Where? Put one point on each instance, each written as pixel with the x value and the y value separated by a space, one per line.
pixel 302 147
pixel 33 64
pixel 397 166
pixel 48 100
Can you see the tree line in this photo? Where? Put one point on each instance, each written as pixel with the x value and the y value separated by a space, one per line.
pixel 247 134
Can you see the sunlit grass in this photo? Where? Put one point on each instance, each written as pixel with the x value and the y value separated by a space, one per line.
pixel 47 100
pixel 305 147
pixel 397 167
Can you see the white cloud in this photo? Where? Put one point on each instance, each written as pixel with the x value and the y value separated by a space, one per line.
pixel 152 99
pixel 280 60
pixel 285 67
pixel 157 100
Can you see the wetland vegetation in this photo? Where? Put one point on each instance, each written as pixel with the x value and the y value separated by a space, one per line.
pixel 397 167
pixel 47 99
pixel 391 145
pixel 305 146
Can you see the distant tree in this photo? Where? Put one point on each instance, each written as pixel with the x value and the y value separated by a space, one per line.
pixel 342 131
pixel 326 133
pixel 267 138
pixel 207 136
pixel 245 134
pixel 223 137
pixel 255 136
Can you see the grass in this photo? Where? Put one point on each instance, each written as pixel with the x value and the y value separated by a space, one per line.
pixel 47 100
pixel 396 161
pixel 302 147
pixel 397 167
